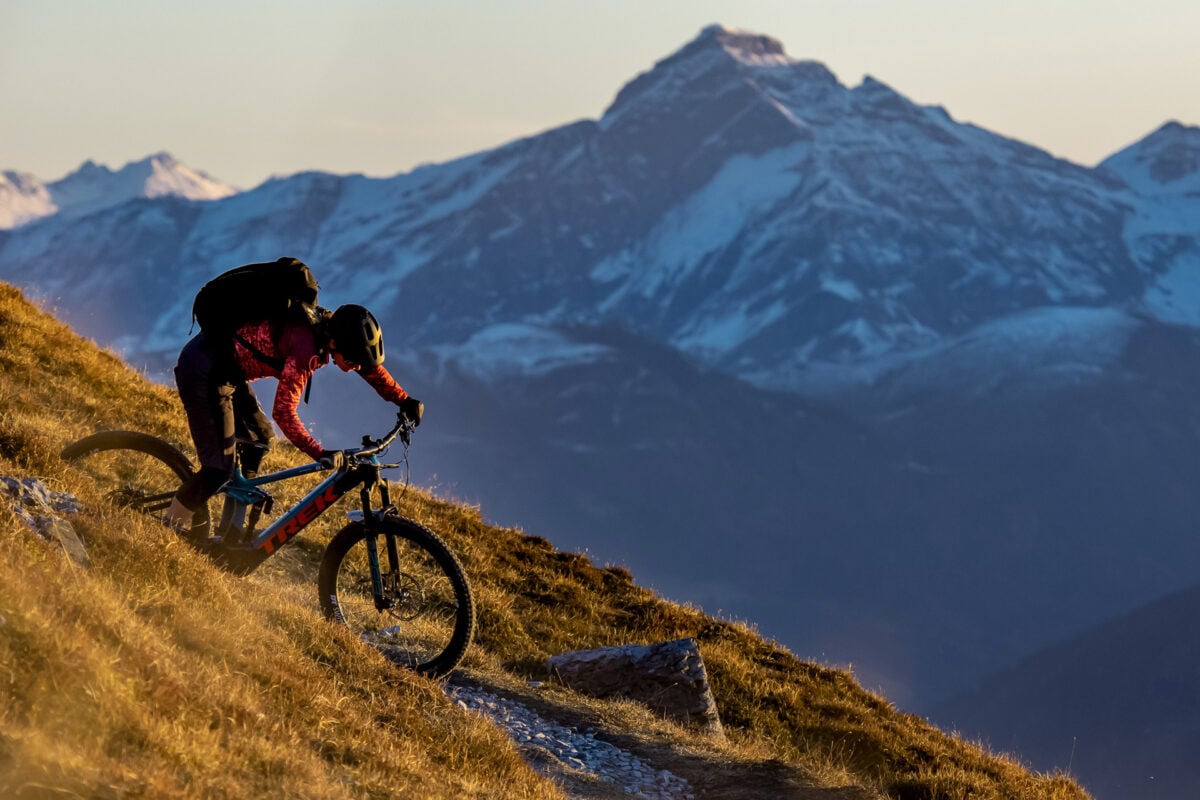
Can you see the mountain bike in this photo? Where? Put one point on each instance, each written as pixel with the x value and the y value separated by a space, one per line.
pixel 392 581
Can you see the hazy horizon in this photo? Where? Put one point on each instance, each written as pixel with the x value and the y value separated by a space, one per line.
pixel 244 91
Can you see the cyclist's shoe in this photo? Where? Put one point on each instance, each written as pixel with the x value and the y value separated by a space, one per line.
pixel 178 516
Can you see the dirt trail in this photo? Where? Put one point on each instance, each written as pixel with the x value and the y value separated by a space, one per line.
pixel 592 761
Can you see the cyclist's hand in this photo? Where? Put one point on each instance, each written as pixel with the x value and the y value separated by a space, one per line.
pixel 332 459
pixel 412 409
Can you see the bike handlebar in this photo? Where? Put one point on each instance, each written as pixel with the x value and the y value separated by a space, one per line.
pixel 403 429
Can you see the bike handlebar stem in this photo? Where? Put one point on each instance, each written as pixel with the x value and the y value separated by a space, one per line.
pixel 402 428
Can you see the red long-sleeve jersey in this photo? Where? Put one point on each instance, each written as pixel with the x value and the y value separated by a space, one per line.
pixel 296 348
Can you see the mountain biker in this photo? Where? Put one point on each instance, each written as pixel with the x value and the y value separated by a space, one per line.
pixel 213 380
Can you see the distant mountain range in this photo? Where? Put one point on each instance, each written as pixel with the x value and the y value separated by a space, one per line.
pixel 91 188
pixel 906 393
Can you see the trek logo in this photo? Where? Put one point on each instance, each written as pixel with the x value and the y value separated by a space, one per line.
pixel 301 518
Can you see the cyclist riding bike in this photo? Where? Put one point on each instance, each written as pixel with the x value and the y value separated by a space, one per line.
pixel 213 380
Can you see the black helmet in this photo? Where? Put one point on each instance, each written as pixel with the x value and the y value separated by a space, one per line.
pixel 357 335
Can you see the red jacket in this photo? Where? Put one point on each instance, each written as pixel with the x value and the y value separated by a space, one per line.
pixel 298 351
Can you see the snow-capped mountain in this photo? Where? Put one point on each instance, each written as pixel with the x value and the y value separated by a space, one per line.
pixel 745 207
pixel 1162 231
pixel 619 326
pixel 94 187
pixel 1165 162
pixel 23 198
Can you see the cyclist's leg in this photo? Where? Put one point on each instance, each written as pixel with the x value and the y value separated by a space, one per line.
pixel 252 427
pixel 207 395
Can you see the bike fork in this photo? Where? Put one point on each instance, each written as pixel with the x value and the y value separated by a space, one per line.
pixel 382 602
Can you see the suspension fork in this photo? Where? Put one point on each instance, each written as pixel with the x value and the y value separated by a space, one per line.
pixel 385 506
pixel 379 571
pixel 382 601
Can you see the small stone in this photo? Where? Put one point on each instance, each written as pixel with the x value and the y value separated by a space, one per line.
pixel 61 531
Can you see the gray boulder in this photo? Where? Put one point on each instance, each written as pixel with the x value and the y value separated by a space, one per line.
pixel 668 677
pixel 42 509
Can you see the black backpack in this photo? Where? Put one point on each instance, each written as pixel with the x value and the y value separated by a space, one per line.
pixel 277 291
pixel 282 291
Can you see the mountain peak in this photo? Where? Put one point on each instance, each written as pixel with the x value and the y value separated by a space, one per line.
pixel 705 68
pixel 162 159
pixel 95 186
pixel 747 47
pixel 1165 158
pixel 1173 151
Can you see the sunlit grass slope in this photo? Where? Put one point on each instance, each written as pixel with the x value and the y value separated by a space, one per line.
pixel 154 674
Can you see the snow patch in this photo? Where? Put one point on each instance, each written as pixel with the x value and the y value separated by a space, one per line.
pixel 378 287
pixel 1176 296
pixel 23 198
pixel 463 183
pixel 708 221
pixel 719 333
pixel 512 348
pixel 1052 344
pixel 845 289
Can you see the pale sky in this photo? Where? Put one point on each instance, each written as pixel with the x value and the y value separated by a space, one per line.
pixel 246 89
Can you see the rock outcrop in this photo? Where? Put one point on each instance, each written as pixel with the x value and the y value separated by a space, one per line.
pixel 42 509
pixel 668 677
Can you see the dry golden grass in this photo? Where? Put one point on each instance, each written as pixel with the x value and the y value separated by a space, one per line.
pixel 534 602
pixel 154 674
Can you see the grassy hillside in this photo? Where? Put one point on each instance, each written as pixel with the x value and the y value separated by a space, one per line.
pixel 155 674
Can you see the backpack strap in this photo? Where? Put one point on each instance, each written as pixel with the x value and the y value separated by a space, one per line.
pixel 271 361
pixel 320 329
pixel 274 362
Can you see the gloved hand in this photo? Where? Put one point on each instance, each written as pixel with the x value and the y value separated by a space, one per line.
pixel 412 409
pixel 332 459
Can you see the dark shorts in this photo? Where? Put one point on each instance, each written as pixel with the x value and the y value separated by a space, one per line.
pixel 223 415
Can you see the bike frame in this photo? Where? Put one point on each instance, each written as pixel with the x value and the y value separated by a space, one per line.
pixel 296 518
pixel 363 472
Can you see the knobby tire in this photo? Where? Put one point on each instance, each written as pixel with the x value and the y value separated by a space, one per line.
pixel 431 619
pixel 141 471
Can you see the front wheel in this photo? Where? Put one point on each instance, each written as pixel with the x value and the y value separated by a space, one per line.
pixel 420 613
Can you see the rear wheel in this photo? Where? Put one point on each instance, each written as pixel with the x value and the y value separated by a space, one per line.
pixel 423 617
pixel 135 470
